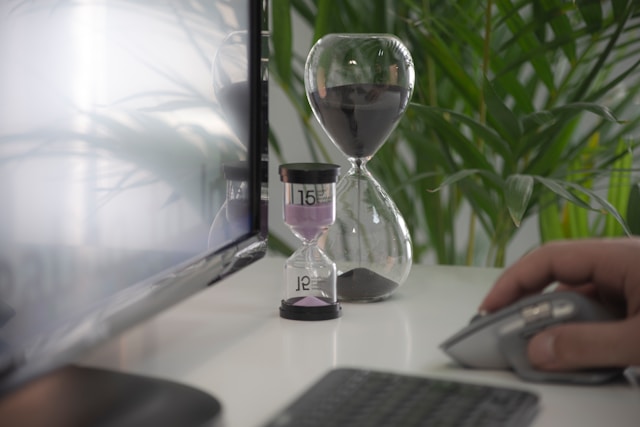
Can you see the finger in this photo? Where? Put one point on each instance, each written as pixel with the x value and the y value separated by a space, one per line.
pixel 586 345
pixel 609 263
pixel 588 290
pixel 614 302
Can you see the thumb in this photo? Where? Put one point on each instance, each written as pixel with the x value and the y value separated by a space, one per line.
pixel 586 345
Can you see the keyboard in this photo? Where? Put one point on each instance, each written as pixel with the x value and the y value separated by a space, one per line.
pixel 348 397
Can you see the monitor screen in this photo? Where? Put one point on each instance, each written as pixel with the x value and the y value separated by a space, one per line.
pixel 132 164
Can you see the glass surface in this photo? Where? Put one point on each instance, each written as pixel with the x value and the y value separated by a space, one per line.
pixel 309 210
pixel 358 86
pixel 116 120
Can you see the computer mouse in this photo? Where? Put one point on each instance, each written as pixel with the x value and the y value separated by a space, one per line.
pixel 499 340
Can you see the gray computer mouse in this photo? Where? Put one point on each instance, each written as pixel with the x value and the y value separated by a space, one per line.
pixel 499 340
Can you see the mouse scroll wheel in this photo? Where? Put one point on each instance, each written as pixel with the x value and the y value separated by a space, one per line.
pixel 536 312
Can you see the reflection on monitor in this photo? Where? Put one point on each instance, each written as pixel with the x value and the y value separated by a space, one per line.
pixel 132 159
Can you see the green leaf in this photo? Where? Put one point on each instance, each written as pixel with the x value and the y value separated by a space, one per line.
pixel 591 13
pixel 540 15
pixel 380 15
pixel 452 179
pixel 561 189
pixel 549 146
pixel 549 218
pixel 577 217
pixel 616 81
pixel 465 173
pixel 563 113
pixel 506 122
pixel 326 9
pixel 486 208
pixel 517 194
pixel 619 188
pixel 578 221
pixel 488 135
pixel 439 52
pixel 607 207
pixel 579 107
pixel 531 122
pixel 281 35
pixel 551 142
pixel 558 187
pixel 524 36
pixel 562 27
pixel 603 54
pixel 453 139
pixel 619 8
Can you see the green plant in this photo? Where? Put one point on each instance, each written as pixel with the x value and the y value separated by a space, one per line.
pixel 519 109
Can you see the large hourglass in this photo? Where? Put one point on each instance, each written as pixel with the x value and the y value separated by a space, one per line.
pixel 359 86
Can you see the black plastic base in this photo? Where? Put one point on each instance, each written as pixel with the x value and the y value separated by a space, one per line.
pixel 82 397
pixel 298 312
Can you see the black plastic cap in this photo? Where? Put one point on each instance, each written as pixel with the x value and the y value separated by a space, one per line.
pixel 309 173
pixel 295 312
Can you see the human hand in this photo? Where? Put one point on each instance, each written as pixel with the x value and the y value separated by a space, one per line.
pixel 606 270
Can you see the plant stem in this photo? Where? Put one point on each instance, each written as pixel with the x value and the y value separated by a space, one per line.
pixel 441 229
pixel 482 111
pixel 500 240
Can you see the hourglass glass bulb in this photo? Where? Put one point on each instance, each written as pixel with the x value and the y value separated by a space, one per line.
pixel 358 86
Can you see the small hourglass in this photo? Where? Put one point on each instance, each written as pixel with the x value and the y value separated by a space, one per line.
pixel 309 210
pixel 358 86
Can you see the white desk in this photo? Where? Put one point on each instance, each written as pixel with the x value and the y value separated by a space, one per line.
pixel 230 341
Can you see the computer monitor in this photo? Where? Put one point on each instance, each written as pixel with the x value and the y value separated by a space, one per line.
pixel 133 151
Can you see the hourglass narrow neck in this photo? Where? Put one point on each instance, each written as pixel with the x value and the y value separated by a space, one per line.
pixel 307 236
pixel 359 166
pixel 309 251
